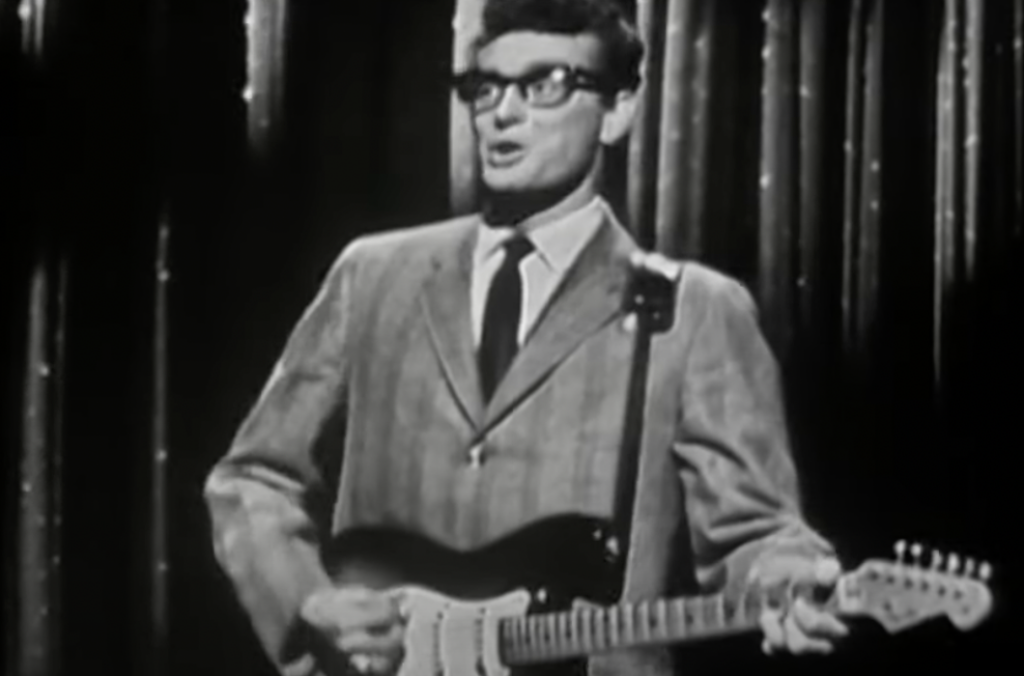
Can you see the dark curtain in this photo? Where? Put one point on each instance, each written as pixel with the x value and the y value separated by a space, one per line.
pixel 177 177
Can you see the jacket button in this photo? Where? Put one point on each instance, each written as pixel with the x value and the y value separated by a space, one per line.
pixel 475 456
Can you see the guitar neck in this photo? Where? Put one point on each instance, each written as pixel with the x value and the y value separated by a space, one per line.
pixel 576 633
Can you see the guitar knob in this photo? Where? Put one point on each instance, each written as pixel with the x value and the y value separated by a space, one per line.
pixel 953 565
pixel 969 568
pixel 901 550
pixel 985 572
pixel 612 547
pixel 937 560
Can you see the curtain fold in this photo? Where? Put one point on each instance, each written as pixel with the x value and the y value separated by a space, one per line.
pixel 40 506
pixel 642 159
pixel 36 609
pixel 463 160
pixel 780 164
pixel 266 25
pixel 978 179
pixel 864 180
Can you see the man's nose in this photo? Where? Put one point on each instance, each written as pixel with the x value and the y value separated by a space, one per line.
pixel 511 107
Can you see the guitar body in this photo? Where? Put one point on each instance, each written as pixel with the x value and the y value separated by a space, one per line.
pixel 455 599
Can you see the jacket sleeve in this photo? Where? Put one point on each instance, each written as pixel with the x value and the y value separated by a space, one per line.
pixel 742 493
pixel 265 535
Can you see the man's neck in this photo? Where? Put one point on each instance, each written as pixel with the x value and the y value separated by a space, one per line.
pixel 530 211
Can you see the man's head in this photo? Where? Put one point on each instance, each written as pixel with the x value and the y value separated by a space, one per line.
pixel 553 80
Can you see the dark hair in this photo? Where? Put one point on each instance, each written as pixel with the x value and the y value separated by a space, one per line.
pixel 607 19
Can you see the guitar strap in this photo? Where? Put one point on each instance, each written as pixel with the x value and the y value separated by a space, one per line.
pixel 651 299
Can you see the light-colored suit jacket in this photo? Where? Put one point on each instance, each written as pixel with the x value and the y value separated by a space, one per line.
pixel 385 353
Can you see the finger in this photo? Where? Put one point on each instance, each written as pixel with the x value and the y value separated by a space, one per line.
pixel 827 570
pixel 774 635
pixel 389 641
pixel 356 611
pixel 382 665
pixel 322 604
pixel 797 642
pixel 371 664
pixel 781 570
pixel 814 622
pixel 361 663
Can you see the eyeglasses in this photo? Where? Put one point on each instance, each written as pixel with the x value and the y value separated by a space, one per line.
pixel 546 87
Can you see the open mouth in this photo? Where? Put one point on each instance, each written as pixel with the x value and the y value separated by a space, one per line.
pixel 505 153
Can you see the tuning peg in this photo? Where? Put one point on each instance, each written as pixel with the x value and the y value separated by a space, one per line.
pixel 916 550
pixel 936 560
pixel 901 550
pixel 953 564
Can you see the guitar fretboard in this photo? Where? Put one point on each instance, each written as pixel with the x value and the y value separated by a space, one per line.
pixel 580 632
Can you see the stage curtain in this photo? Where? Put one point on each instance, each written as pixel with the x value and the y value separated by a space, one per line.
pixel 856 162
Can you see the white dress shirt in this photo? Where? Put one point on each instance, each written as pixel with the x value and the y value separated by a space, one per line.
pixel 556 247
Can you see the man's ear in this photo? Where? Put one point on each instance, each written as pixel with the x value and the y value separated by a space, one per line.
pixel 618 119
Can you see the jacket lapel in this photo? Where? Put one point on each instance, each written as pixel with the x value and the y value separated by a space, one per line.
pixel 589 296
pixel 446 303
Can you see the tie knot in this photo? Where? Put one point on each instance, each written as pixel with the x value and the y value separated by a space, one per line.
pixel 517 248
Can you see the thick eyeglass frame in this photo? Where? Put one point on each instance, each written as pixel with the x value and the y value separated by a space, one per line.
pixel 468 86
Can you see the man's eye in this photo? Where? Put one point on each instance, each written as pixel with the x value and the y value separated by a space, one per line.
pixel 545 86
pixel 487 90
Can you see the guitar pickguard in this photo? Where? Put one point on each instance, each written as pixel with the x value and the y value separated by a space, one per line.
pixel 454 637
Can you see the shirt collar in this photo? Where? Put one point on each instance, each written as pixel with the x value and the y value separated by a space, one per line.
pixel 557 243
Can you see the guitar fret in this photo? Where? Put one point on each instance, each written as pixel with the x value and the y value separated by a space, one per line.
pixel 571 632
pixel 599 624
pixel 551 633
pixel 711 613
pixel 729 611
pixel 677 617
pixel 586 624
pixel 641 620
pixel 628 628
pixel 661 608
pixel 690 616
pixel 508 634
pixel 538 635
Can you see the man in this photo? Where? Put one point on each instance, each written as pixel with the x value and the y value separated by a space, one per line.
pixel 448 435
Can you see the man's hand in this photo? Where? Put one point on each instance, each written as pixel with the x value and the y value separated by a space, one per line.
pixel 804 628
pixel 367 627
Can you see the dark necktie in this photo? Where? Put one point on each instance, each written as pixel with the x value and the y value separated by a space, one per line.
pixel 499 342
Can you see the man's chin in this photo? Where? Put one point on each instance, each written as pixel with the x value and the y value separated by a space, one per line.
pixel 502 181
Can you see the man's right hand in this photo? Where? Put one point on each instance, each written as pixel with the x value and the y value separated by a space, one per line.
pixel 366 626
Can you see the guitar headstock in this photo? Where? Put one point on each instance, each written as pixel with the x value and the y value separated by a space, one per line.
pixel 900 595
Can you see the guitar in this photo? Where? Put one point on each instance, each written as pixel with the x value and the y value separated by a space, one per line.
pixel 508 608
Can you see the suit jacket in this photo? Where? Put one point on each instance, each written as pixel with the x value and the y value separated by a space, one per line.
pixel 386 350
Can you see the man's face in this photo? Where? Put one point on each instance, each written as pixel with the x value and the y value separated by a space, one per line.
pixel 524 149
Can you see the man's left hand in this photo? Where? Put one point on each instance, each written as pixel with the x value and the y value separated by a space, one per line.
pixel 801 627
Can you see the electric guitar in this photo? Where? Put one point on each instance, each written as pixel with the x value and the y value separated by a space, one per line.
pixel 509 608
